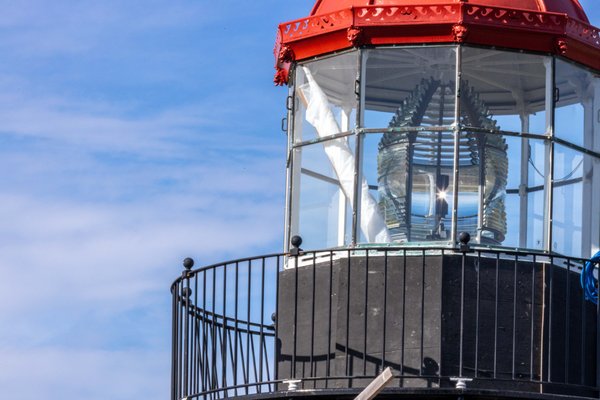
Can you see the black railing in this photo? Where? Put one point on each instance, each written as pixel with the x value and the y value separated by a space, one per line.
pixel 336 318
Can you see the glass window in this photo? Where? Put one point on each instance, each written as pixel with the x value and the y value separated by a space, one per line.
pixel 409 176
pixel 573 201
pixel 510 85
pixel 410 87
pixel 323 185
pixel 538 169
pixel 483 174
pixel 328 85
pixel 409 169
pixel 574 104
pixel 515 203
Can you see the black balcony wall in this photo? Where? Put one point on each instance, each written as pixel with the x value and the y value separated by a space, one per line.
pixel 512 324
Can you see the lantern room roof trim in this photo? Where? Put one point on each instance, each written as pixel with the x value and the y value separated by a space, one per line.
pixel 450 22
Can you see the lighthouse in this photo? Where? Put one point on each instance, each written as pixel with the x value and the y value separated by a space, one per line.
pixel 442 213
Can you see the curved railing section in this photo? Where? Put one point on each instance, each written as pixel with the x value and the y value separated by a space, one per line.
pixel 333 319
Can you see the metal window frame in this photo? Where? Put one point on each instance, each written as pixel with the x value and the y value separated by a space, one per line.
pixel 360 132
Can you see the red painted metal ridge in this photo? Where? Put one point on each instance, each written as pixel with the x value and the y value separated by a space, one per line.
pixel 554 33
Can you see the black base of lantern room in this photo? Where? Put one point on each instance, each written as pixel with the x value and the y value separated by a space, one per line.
pixel 510 323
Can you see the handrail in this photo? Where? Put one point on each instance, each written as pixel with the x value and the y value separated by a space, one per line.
pixel 515 316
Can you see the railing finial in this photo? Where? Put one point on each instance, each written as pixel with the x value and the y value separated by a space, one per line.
pixel 296 242
pixel 188 263
pixel 464 238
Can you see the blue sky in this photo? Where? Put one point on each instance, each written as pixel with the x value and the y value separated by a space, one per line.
pixel 132 134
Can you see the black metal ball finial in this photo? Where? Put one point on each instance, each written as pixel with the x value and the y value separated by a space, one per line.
pixel 464 237
pixel 188 263
pixel 296 241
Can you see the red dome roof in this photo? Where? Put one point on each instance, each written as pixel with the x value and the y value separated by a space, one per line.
pixel 547 26
pixel 570 7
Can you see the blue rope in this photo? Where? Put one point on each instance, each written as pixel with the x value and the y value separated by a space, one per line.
pixel 589 282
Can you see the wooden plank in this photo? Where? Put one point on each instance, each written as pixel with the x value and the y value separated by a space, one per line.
pixel 376 386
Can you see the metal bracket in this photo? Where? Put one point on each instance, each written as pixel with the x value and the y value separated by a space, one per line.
pixel 461 383
pixel 292 384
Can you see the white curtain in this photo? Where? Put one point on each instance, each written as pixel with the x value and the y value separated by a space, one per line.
pixel 319 115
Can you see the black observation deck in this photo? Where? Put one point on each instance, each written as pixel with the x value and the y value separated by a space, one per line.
pixel 329 321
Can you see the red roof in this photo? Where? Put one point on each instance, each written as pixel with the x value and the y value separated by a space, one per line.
pixel 548 26
pixel 570 7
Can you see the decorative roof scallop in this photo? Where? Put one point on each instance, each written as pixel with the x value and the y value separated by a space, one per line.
pixel 549 26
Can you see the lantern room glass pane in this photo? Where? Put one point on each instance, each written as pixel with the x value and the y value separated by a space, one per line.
pixel 515 202
pixel 412 189
pixel 322 190
pixel 329 85
pixel 483 174
pixel 510 85
pixel 574 204
pixel 567 201
pixel 538 169
pixel 575 93
pixel 410 86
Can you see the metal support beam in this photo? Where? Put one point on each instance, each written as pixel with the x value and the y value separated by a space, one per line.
pixel 457 127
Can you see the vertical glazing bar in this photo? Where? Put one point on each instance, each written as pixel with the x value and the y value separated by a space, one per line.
pixel 532 316
pixel 358 156
pixel 550 105
pixel 478 301
pixel 514 324
pixel 290 168
pixel 262 323
pixel 456 165
pixel 330 316
pixel 357 188
pixel 523 195
pixel 366 313
pixel 482 178
pixel 312 319
pixel 385 289
pixel 496 317
pixel 462 316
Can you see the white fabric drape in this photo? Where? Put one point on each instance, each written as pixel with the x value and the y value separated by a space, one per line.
pixel 319 115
